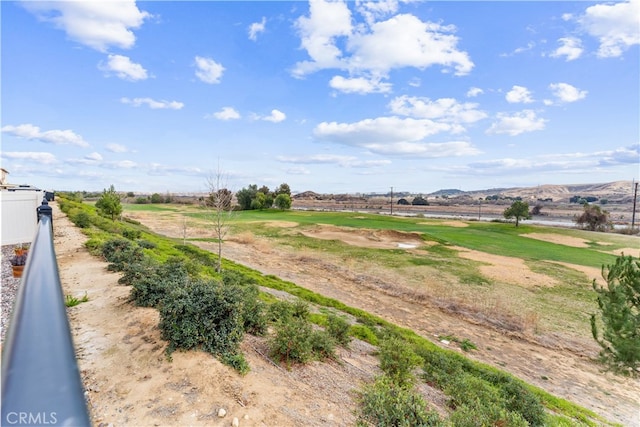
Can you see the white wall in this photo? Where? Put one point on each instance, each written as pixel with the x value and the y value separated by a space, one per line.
pixel 18 215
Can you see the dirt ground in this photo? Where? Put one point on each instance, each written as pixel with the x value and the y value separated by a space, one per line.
pixel 130 382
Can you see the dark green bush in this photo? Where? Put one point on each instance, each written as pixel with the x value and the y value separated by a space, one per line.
pixel 121 252
pixel 204 315
pixel 131 233
pixel 152 283
pixel 385 404
pixel 338 328
pixel 145 244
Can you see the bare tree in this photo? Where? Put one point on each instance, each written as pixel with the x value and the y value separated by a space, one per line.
pixel 219 204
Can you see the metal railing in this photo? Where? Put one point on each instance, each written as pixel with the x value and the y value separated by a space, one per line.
pixel 41 382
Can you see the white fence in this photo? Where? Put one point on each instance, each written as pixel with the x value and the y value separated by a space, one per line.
pixel 18 215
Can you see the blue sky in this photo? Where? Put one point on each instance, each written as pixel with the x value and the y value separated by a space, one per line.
pixel 329 96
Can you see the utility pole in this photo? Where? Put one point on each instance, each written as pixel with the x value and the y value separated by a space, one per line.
pixel 392 200
pixel 633 216
pixel 479 208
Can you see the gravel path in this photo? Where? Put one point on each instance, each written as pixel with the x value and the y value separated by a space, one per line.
pixel 9 289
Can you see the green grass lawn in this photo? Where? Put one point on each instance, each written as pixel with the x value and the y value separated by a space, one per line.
pixel 491 237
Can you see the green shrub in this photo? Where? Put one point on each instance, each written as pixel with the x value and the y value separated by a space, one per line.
pixel 323 345
pixel 440 367
pixel 203 315
pixel 80 218
pixel 236 361
pixel 145 244
pixel 151 282
pixel 485 415
pixel 338 328
pixel 384 403
pixel 291 342
pixel 466 389
pixel 121 252
pixel 131 233
pixel 397 361
pixel 282 310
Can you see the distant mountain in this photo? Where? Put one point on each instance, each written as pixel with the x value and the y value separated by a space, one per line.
pixel 618 191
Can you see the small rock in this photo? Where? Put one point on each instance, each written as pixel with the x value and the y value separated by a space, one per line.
pixel 222 412
pixel 236 422
pixel 246 417
pixel 445 342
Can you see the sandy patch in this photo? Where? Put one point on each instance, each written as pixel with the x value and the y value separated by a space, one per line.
pixel 627 251
pixel 377 239
pixel 591 272
pixel 507 269
pixel 559 239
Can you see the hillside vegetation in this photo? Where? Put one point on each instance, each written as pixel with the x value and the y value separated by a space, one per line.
pixel 474 391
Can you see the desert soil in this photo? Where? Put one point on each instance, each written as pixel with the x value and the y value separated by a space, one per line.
pixel 130 381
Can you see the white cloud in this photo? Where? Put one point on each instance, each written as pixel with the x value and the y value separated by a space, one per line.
pixel 208 70
pixel 327 20
pixel 97 24
pixel 394 136
pixel 562 162
pixel 372 10
pixel 227 113
pixel 275 117
pixel 406 41
pixel 474 91
pixel 344 161
pixel 519 94
pixel 40 157
pixel 375 48
pixel 360 85
pixel 570 48
pixel 614 25
pixel 124 68
pixel 117 148
pixel 257 28
pixel 515 124
pixel 31 132
pixel 443 109
pixel 153 104
pixel 566 93
pixel 425 149
pixel 379 130
pixel 89 159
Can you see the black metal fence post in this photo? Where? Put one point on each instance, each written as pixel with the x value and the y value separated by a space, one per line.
pixel 45 209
